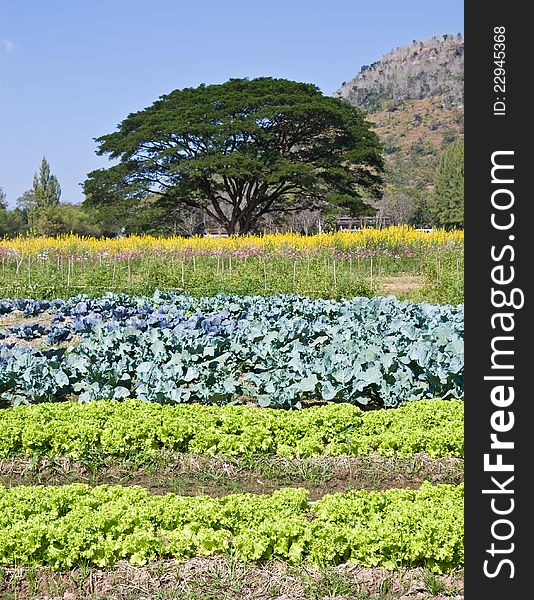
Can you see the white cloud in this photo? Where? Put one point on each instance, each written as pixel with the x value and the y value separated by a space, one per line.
pixel 8 45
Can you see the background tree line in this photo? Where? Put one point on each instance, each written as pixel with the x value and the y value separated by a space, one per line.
pixel 443 207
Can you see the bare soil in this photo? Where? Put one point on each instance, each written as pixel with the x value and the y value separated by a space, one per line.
pixel 192 475
pixel 45 319
pixel 399 285
pixel 222 578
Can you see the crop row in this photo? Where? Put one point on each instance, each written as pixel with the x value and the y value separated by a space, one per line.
pixel 122 429
pixel 76 524
pixel 337 265
pixel 399 238
pixel 277 351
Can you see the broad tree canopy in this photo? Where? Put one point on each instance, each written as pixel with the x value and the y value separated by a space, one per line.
pixel 241 150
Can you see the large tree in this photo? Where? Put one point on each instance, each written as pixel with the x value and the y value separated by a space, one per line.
pixel 446 204
pixel 241 150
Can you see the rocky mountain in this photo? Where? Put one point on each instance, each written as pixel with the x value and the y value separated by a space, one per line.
pixel 420 70
pixel 414 97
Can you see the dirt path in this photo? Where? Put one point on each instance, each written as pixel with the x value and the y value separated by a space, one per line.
pixel 194 475
pixel 402 285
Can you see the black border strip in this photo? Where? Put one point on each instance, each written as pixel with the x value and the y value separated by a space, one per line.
pixel 498 509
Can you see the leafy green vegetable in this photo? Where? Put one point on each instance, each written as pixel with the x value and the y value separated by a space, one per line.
pixel 76 524
pixel 277 351
pixel 121 429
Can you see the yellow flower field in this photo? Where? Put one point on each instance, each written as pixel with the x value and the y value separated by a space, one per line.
pixel 396 237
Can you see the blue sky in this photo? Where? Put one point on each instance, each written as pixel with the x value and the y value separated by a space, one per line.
pixel 71 70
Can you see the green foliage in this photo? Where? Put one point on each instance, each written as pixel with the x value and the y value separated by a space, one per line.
pixel 202 276
pixel 416 517
pixel 145 216
pixel 53 219
pixel 65 218
pixel 46 189
pixel 322 276
pixel 447 201
pixel 39 203
pixel 132 427
pixel 40 212
pixel 76 524
pixel 444 277
pixel 12 222
pixel 241 150
pixel 277 351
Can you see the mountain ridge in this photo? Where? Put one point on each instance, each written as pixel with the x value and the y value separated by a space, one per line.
pixel 413 96
pixel 433 67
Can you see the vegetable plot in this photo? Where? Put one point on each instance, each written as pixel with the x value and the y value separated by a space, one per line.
pixel 132 427
pixel 277 351
pixel 76 524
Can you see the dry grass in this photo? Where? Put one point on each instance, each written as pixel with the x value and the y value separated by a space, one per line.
pixel 223 578
pixel 400 285
pixel 188 474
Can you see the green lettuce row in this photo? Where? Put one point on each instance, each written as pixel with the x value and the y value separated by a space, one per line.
pixel 121 429
pixel 75 524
